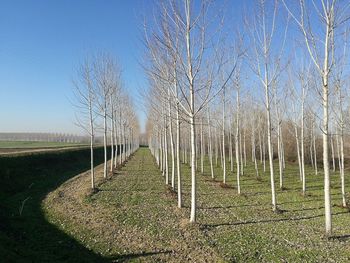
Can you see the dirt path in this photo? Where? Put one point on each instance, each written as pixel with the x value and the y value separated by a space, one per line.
pixel 132 216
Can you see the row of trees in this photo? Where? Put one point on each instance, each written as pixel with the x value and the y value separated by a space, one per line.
pixel 104 107
pixel 43 137
pixel 279 92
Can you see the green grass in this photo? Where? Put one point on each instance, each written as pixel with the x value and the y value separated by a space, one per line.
pixel 29 237
pixel 244 228
pixel 241 228
pixel 35 144
pixel 142 222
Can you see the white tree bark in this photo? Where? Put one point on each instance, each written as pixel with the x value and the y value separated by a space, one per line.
pixel 105 142
pixel 223 138
pixel 237 141
pixel 210 146
pixel 172 148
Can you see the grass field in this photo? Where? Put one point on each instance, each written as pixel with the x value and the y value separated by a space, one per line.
pixel 35 144
pixel 134 217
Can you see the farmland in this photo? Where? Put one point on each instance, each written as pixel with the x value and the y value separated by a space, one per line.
pixel 144 223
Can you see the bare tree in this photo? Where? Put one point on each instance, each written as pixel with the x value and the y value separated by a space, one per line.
pixel 106 77
pixel 85 95
pixel 184 37
pixel 321 48
pixel 265 62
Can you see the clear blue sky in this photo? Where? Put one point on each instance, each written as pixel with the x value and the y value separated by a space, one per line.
pixel 43 41
pixel 41 44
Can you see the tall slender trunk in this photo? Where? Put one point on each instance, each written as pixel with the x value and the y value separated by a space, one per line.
pixel 120 138
pixel 210 146
pixel 264 153
pixel 166 152
pixel 192 111
pixel 342 174
pixel 282 149
pixel 332 151
pixel 327 192
pixel 202 148
pixel 315 151
pixel 279 150
pixel 280 161
pixel 269 141
pixel 260 147
pixel 178 165
pixel 193 171
pixel 116 141
pixel 105 141
pixel 112 136
pixel 244 148
pixel 341 135
pixel 216 147
pixel 311 154
pixel 220 149
pixel 237 143
pixel 241 152
pixel 337 141
pixel 124 144
pixel 298 151
pixel 230 145
pixel 172 148
pixel 302 143
pixel 223 138
pixel 162 154
pixel 254 150
pixel 91 145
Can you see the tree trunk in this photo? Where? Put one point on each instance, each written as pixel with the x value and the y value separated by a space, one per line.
pixel 91 145
pixel 166 153
pixel 237 144
pixel 202 148
pixel 332 151
pixel 269 141
pixel 105 142
pixel 230 145
pixel 178 166
pixel 210 146
pixel 112 137
pixel 298 151
pixel 223 139
pixel 172 149
pixel 193 171
pixel 341 166
pixel 315 151
pixel 302 145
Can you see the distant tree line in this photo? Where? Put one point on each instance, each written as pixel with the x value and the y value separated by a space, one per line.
pixel 46 137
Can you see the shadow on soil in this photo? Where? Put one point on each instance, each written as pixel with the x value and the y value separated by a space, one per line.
pixel 25 234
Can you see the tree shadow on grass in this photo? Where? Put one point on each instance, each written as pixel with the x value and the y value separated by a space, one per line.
pixel 128 257
pixel 341 238
pixel 231 206
pixel 308 200
pixel 272 220
pixel 25 233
